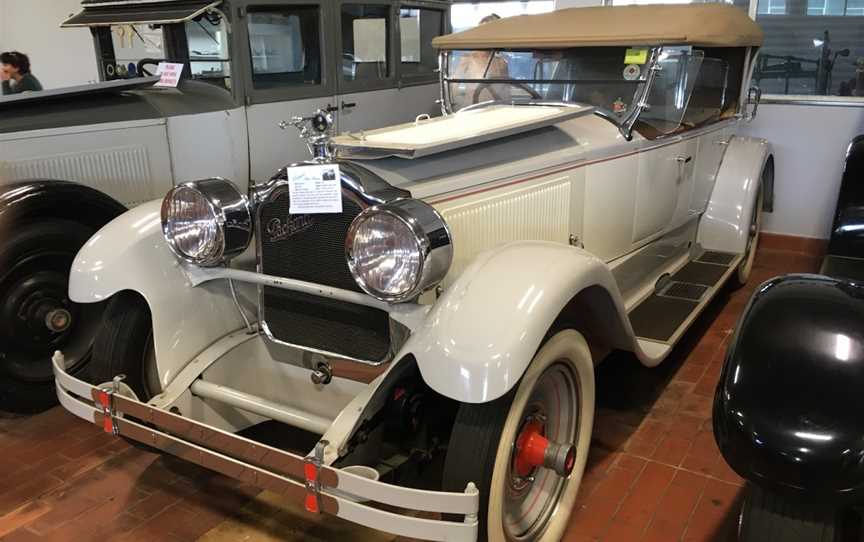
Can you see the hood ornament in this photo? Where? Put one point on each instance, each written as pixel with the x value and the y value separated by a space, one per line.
pixel 316 132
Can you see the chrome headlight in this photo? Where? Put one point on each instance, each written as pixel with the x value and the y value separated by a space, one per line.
pixel 206 222
pixel 398 250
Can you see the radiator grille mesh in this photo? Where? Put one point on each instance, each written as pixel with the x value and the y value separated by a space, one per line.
pixel 312 248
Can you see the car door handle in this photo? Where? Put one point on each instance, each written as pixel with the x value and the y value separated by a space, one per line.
pixel 348 105
pixel 722 142
pixel 683 159
pixel 331 108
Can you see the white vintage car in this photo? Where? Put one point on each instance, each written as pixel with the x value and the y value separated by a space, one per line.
pixel 428 301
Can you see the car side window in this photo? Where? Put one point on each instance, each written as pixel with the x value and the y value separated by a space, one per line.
pixel 285 46
pixel 676 72
pixel 366 42
pixel 710 98
pixel 417 27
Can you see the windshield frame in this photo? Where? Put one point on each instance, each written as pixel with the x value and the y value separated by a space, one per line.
pixel 624 125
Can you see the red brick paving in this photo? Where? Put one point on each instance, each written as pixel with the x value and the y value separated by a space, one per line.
pixel 654 473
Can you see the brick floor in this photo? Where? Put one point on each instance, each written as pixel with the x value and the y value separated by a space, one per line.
pixel 654 472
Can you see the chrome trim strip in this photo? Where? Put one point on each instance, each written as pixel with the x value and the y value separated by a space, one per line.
pixel 826 101
pixel 198 275
pixel 326 353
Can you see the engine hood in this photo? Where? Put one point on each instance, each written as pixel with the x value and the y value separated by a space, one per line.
pixel 585 138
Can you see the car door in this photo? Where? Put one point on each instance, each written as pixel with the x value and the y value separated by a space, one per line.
pixel 384 50
pixel 288 74
pixel 365 51
pixel 712 147
pixel 666 166
pixel 663 188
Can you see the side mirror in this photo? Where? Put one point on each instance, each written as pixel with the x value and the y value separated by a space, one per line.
pixel 754 95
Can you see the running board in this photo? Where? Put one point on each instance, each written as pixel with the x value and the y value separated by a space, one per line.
pixel 660 319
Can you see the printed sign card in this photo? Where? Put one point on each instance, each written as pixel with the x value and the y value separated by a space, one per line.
pixel 315 189
pixel 169 74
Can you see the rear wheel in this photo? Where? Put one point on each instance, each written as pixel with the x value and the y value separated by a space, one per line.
pixel 768 517
pixel 754 231
pixel 36 315
pixel 526 451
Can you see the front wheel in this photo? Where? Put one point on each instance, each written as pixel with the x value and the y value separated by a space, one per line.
pixel 526 451
pixel 36 315
pixel 125 347
pixel 768 517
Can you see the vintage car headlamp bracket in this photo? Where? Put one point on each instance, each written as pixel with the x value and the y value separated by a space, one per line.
pixel 432 240
pixel 230 212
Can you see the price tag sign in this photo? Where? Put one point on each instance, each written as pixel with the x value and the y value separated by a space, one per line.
pixel 315 189
pixel 169 74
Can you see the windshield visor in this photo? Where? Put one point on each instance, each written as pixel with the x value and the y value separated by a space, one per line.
pixel 609 78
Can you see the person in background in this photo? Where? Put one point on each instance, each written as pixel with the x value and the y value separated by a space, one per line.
pixel 477 65
pixel 15 74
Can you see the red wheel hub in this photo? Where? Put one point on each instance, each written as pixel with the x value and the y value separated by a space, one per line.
pixel 534 450
pixel 531 448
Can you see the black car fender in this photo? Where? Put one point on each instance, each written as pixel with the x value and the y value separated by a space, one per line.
pixel 789 406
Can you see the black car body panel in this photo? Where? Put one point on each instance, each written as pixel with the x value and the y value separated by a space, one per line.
pixel 847 232
pixel 789 407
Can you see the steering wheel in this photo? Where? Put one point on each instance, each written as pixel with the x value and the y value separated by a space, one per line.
pixel 144 62
pixel 488 86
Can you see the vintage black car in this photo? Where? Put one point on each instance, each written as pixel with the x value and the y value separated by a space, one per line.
pixel 789 407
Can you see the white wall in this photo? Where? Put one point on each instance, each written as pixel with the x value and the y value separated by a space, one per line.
pixel 561 4
pixel 59 57
pixel 809 146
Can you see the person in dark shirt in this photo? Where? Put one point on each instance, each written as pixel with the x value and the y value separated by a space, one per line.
pixel 15 74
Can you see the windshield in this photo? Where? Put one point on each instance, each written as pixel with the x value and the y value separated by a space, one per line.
pixel 609 78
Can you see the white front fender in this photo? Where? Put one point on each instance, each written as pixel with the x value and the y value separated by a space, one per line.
pixel 725 226
pixel 482 333
pixel 130 253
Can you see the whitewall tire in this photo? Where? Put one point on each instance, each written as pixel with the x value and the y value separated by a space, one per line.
pixel 554 396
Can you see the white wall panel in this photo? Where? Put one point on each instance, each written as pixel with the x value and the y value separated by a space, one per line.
pixel 60 57
pixel 809 147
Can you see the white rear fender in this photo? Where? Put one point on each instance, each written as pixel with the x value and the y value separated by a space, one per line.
pixel 480 336
pixel 725 226
pixel 130 253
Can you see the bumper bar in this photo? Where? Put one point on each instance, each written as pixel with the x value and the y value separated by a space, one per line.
pixel 303 479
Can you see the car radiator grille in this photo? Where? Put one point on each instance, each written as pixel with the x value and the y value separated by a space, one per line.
pixel 312 248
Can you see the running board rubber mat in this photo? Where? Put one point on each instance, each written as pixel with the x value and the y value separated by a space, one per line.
pixel 660 315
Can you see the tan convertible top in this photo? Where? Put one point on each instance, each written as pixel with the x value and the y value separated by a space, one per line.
pixel 705 25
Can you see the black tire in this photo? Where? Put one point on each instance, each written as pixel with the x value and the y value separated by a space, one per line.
pixel 124 344
pixel 555 394
pixel 768 517
pixel 35 258
pixel 472 448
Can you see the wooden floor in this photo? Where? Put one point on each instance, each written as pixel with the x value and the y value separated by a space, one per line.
pixel 654 471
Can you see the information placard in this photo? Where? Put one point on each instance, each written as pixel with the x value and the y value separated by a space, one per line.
pixel 315 189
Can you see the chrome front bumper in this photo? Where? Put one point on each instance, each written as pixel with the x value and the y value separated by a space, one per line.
pixel 304 479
